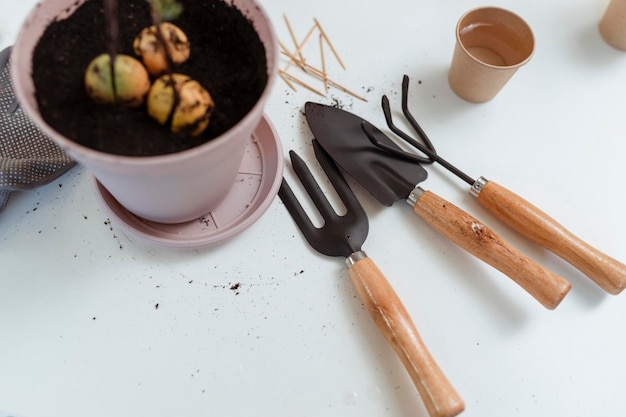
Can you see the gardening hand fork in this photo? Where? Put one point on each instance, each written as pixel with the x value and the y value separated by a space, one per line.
pixel 343 236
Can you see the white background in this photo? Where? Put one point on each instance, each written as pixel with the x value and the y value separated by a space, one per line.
pixel 80 334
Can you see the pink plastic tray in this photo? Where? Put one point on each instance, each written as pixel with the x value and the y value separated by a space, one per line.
pixel 252 193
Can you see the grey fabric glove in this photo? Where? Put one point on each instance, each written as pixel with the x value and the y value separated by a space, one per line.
pixel 28 158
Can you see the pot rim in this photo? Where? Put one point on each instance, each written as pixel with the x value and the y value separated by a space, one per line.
pixel 72 147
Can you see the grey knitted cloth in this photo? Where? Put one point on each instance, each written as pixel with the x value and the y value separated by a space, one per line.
pixel 28 158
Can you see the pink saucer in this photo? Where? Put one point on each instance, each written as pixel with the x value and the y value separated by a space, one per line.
pixel 257 184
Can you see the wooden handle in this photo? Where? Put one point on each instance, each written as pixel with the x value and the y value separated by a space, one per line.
pixel 383 304
pixel 461 228
pixel 537 226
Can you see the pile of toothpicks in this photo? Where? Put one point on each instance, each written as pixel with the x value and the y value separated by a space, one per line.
pixel 297 62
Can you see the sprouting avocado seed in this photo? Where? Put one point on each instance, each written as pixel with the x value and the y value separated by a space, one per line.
pixel 190 112
pixel 194 109
pixel 148 47
pixel 132 81
pixel 162 97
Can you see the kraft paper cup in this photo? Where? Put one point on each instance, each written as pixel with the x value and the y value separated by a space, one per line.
pixel 613 24
pixel 491 44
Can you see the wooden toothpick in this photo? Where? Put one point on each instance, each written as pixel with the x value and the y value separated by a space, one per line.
pixel 310 69
pixel 327 39
pixel 300 82
pixel 325 73
pixel 289 83
pixel 293 38
pixel 297 58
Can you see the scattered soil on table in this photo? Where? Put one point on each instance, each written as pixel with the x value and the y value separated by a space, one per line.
pixel 227 58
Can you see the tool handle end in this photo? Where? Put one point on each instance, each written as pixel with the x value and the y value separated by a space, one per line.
pixel 394 322
pixel 470 234
pixel 537 226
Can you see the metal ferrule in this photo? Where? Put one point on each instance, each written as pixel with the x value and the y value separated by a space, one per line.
pixel 355 257
pixel 414 195
pixel 478 186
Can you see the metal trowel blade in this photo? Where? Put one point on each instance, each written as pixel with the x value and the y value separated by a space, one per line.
pixel 387 177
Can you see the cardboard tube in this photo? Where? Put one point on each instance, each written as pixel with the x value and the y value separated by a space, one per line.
pixel 613 24
pixel 491 44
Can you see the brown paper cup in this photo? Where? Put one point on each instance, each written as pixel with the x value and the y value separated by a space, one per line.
pixel 491 44
pixel 613 24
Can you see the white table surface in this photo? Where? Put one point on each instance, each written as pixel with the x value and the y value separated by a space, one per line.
pixel 80 334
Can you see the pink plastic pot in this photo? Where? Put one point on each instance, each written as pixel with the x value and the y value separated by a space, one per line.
pixel 169 188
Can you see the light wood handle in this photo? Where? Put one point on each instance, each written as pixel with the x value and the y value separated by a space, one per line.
pixel 529 221
pixel 385 307
pixel 466 231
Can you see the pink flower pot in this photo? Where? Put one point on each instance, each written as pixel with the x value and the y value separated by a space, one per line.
pixel 168 188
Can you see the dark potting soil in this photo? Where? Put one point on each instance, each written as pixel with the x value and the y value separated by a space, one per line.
pixel 227 58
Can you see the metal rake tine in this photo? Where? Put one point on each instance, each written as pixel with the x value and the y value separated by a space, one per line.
pixel 407 114
pixel 368 129
pixel 312 187
pixel 395 129
pixel 426 147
